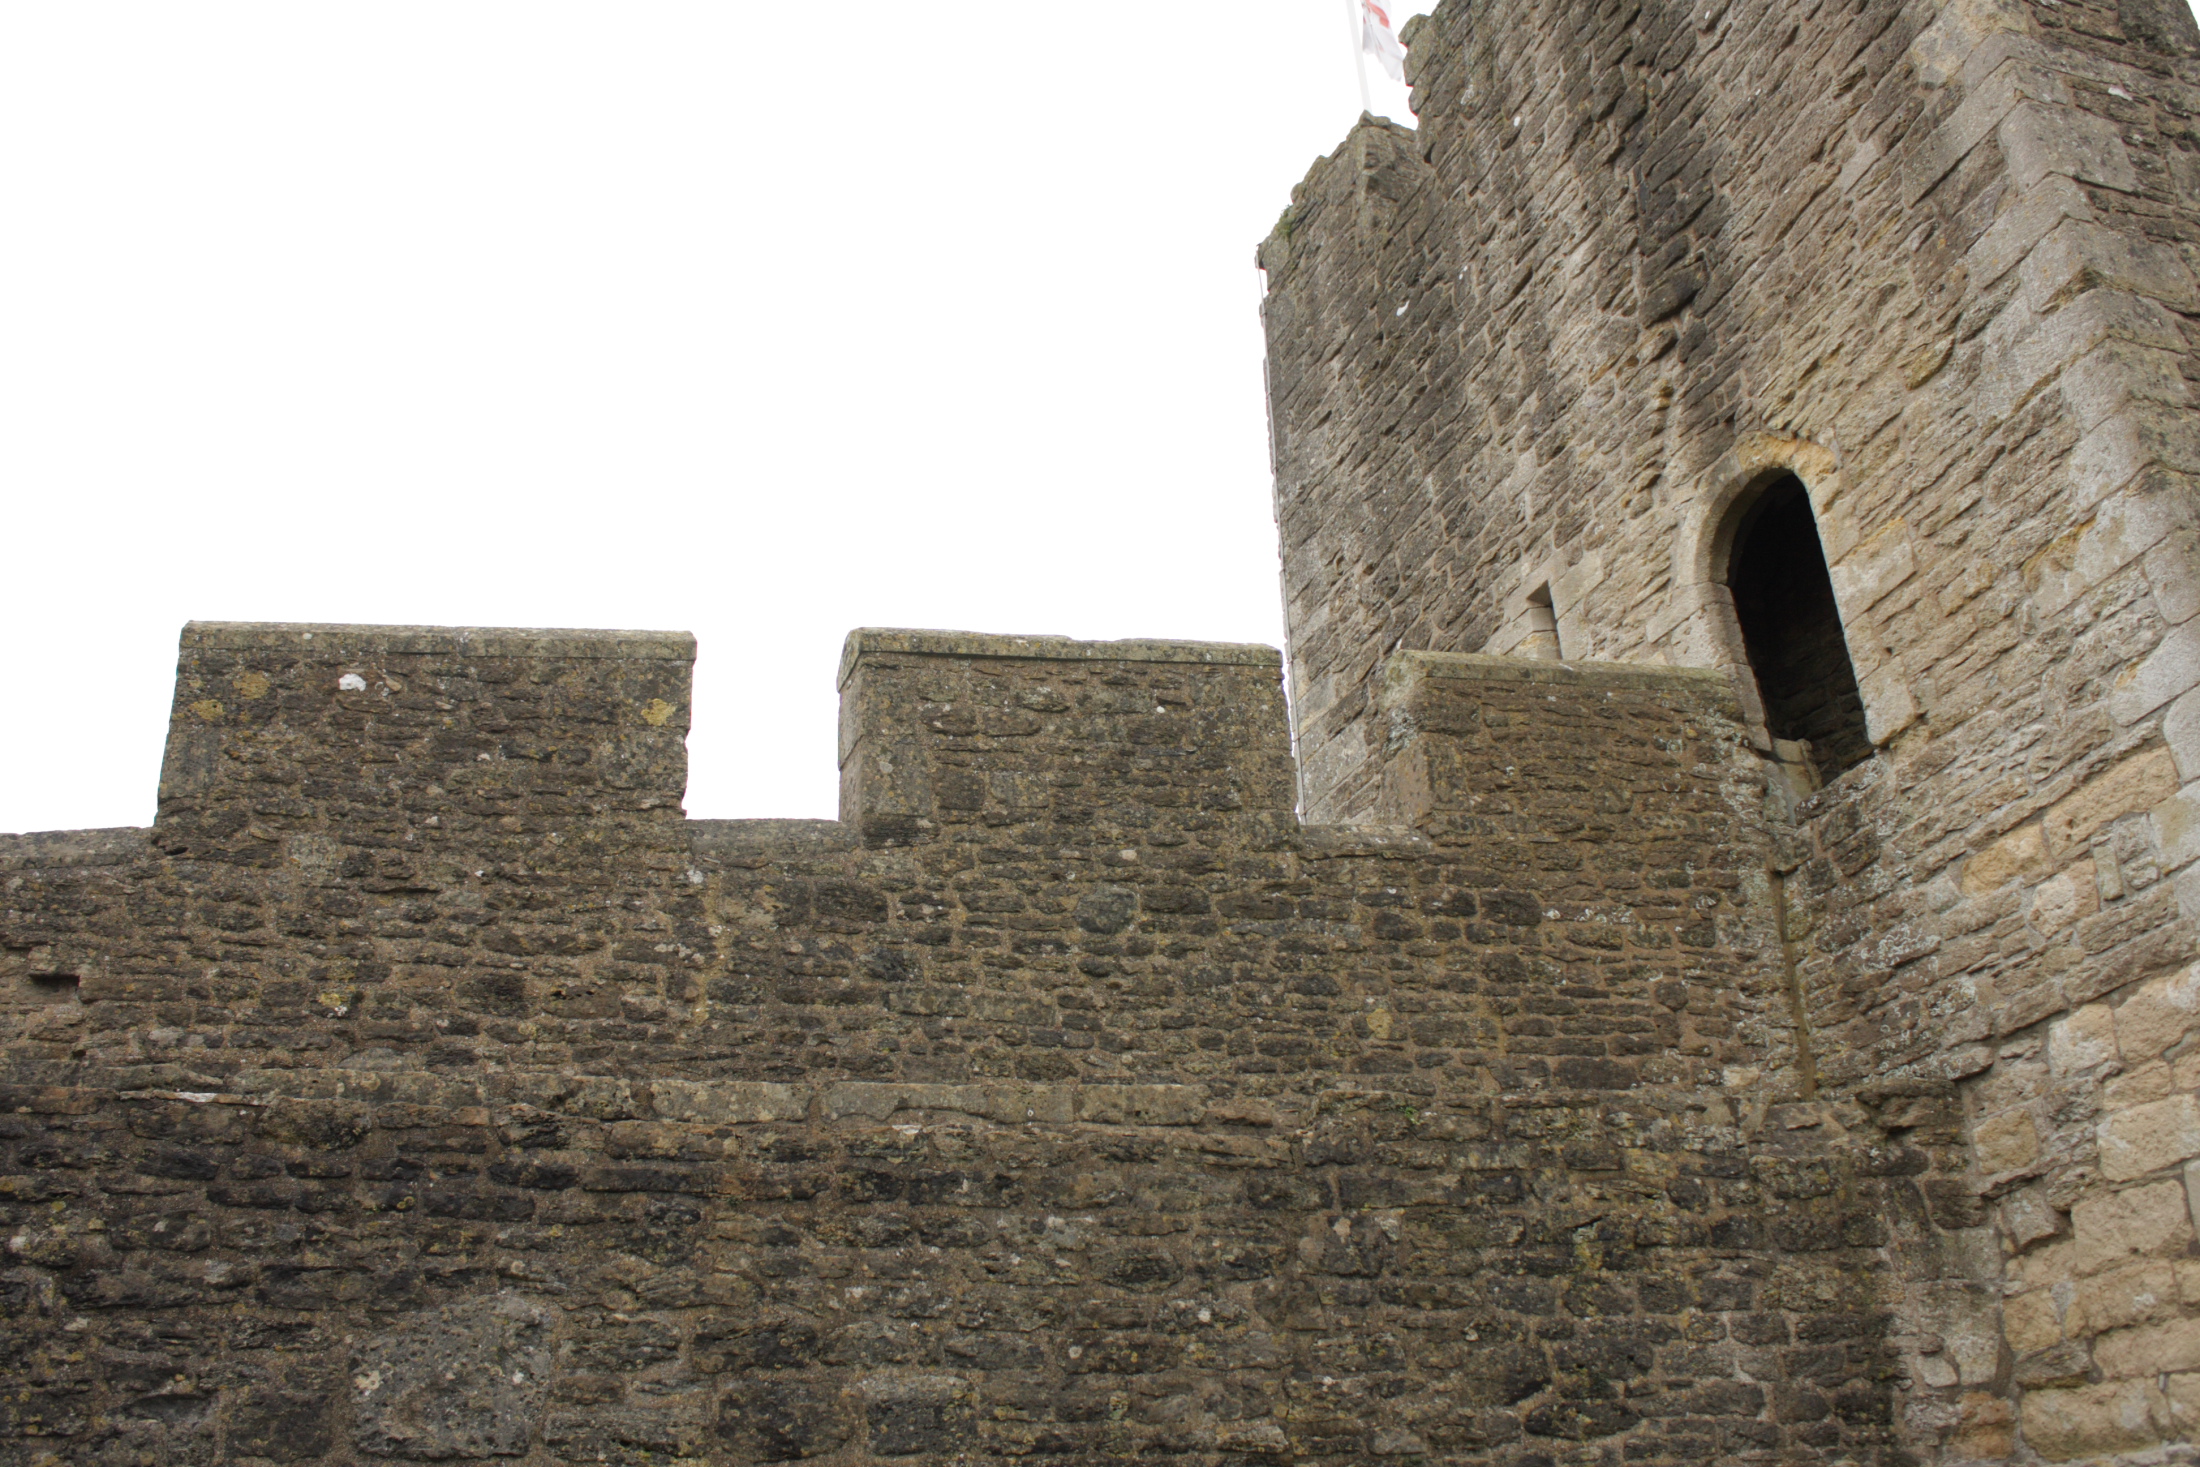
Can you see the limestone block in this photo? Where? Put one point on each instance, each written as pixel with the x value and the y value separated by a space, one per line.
pixel 2123 1298
pixel 2064 898
pixel 2118 373
pixel 1987 1429
pixel 2149 1350
pixel 2150 1221
pixel 279 1425
pixel 2006 1143
pixel 2181 732
pixel 1989 103
pixel 1942 48
pixel 2125 444
pixel 2095 1420
pixel 1866 574
pixel 724 1102
pixel 2084 1038
pixel 765 1418
pixel 1966 1318
pixel 467 1380
pixel 2080 256
pixel 2147 1138
pixel 2161 676
pixel 2039 140
pixel 1889 705
pixel 2139 782
pixel 1008 1103
pixel 2123 529
pixel 929 1415
pixel 2024 224
pixel 1142 1105
pixel 2029 1322
pixel 2019 855
pixel 2173 574
pixel 2141 1086
pixel 2162 1012
pixel 1262 1437
pixel 2030 351
pixel 2027 1217
pixel 2183 1390
pixel 2045 1268
pixel 2175 826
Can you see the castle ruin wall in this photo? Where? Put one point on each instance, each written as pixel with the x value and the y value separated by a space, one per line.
pixel 1938 261
pixel 422 1086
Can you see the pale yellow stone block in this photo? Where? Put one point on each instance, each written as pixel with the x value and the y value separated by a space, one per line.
pixel 2184 1405
pixel 2063 898
pixel 1987 1430
pixel 2006 1142
pixel 2147 1138
pixel 2021 854
pixel 2122 1299
pixel 2188 1281
pixel 2084 1038
pixel 2149 1350
pixel 2142 1086
pixel 2043 1268
pixel 2150 1221
pixel 2137 783
pixel 2029 1322
pixel 2091 1421
pixel 2158 1015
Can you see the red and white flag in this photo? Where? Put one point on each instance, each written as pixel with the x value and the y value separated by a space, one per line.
pixel 1377 40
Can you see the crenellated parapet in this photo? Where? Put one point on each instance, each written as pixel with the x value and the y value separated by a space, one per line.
pixel 422 1032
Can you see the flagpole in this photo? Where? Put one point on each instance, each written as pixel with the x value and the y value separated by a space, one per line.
pixel 1355 22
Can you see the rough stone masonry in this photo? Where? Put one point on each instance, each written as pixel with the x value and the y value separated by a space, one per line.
pixel 1644 1024
pixel 1648 274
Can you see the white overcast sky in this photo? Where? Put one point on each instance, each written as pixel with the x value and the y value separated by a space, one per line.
pixel 760 321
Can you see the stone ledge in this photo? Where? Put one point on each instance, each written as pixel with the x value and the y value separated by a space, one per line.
pixel 1391 842
pixel 749 843
pixel 113 846
pixel 694 1102
pixel 919 643
pixel 339 641
pixel 1406 669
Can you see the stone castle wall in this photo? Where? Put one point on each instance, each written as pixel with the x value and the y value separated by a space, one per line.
pixel 1936 259
pixel 1542 1068
pixel 423 1087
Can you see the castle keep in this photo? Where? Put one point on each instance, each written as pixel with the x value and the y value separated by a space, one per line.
pixel 1703 970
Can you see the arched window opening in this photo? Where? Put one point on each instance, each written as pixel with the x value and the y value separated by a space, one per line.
pixel 1792 629
pixel 1542 638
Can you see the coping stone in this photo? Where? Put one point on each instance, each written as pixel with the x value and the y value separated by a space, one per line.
pixel 918 643
pixel 340 640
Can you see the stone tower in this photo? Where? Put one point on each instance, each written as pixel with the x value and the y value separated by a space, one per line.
pixel 1715 983
pixel 1847 349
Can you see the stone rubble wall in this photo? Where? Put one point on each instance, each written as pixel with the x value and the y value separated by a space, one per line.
pixel 1938 260
pixel 422 1087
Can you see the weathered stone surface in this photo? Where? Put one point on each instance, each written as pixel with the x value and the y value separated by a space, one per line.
pixel 1613 1066
pixel 1096 1109
pixel 465 1381
pixel 1530 364
pixel 2150 1137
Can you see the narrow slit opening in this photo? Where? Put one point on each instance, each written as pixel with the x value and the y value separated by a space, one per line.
pixel 1541 640
pixel 54 987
